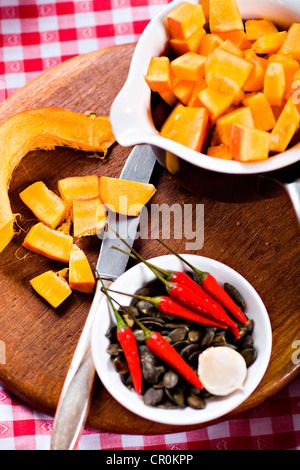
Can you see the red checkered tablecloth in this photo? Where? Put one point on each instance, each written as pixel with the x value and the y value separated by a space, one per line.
pixel 35 35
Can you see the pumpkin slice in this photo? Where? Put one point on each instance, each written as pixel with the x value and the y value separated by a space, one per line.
pixel 184 20
pixel 224 123
pixel 262 112
pixel 81 277
pixel 255 29
pixel 159 74
pixel 44 128
pixel 89 217
pixel 209 43
pixel 123 196
pixel 214 101
pixel 52 287
pixel 269 43
pixel 291 45
pixel 274 83
pixel 44 203
pixel 53 244
pixel 79 187
pixel 189 66
pixel 191 44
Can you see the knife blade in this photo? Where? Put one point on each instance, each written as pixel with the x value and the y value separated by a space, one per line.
pixel 75 397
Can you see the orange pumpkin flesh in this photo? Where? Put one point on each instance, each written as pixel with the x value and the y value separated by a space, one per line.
pixel 52 244
pixel 89 217
pixel 52 287
pixel 80 274
pixel 46 205
pixel 79 187
pixel 44 128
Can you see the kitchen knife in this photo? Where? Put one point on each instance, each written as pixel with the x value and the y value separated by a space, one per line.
pixel 74 401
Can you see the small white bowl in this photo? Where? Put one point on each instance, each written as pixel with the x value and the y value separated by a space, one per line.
pixel 216 407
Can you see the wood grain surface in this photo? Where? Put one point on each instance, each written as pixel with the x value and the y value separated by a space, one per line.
pixel 258 238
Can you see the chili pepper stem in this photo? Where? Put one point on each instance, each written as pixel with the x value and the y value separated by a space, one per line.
pixel 160 270
pixel 120 321
pixel 201 274
pixel 152 300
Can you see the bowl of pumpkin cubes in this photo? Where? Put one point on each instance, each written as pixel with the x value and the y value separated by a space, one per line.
pixel 215 85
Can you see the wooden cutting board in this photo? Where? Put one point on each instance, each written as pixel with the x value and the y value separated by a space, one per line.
pixel 259 239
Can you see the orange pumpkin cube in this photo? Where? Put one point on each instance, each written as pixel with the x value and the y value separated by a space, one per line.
pixel 209 43
pixel 270 43
pixel 294 91
pixel 224 123
pixel 291 45
pixel 183 90
pixel 191 44
pixel 89 217
pixel 248 145
pixel 52 287
pixel 224 16
pixel 219 151
pixel 81 277
pixel 125 197
pixel 188 126
pixel 255 29
pixel 44 203
pixel 79 187
pixel 274 83
pixel 285 128
pixel 226 72
pixel 189 66
pixel 255 81
pixel 50 243
pixel 159 74
pixel 184 20
pixel 229 46
pixel 199 86
pixel 214 101
pixel 290 65
pixel 261 111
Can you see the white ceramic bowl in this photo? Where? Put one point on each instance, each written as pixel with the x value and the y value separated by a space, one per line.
pixel 131 114
pixel 137 277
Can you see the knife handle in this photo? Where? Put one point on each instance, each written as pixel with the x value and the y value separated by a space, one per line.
pixel 75 398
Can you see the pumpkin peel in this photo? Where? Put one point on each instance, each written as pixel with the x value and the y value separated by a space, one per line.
pixel 44 128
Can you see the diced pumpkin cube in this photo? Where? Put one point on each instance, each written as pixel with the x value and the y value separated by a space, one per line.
pixel 52 287
pixel 191 44
pixel 261 111
pixel 291 45
pixel 189 66
pixel 81 277
pixel 168 97
pixel 294 91
pixel 125 197
pixel 159 74
pixel 237 37
pixel 224 16
pixel 214 101
pixel 255 81
pixel 183 90
pixel 290 65
pixel 79 187
pixel 44 203
pixel 219 151
pixel 274 83
pixel 226 72
pixel 224 123
pixel 89 217
pixel 184 20
pixel 248 145
pixel 255 29
pixel 285 128
pixel 50 243
pixel 209 43
pixel 270 43
pixel 188 126
pixel 229 46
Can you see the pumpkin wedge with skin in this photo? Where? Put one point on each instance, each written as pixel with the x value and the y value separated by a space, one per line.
pixel 79 187
pixel 44 203
pixel 50 243
pixel 81 277
pixel 44 128
pixel 52 286
pixel 125 197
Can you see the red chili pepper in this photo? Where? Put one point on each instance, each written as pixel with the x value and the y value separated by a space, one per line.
pixel 214 289
pixel 167 353
pixel 191 299
pixel 168 306
pixel 127 340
